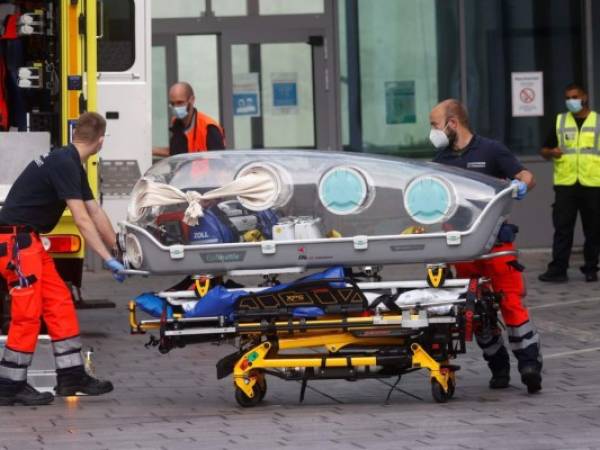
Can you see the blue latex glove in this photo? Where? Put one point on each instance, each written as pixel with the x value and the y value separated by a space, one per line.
pixel 521 188
pixel 116 268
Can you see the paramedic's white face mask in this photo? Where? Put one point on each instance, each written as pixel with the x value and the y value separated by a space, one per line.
pixel 180 112
pixel 438 138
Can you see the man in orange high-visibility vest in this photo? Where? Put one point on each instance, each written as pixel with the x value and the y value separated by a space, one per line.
pixel 191 131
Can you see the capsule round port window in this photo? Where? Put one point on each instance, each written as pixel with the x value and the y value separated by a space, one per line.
pixel 345 190
pixel 277 186
pixel 430 199
pixel 134 255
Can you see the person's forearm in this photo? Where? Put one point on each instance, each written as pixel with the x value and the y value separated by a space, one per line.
pixel 547 153
pixel 160 151
pixel 92 237
pixel 104 227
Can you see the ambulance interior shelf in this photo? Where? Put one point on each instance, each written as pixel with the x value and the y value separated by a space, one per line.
pixel 29 65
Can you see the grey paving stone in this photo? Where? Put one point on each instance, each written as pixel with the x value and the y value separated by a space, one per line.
pixel 175 402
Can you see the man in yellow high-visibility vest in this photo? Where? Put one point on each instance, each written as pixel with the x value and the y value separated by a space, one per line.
pixel 574 147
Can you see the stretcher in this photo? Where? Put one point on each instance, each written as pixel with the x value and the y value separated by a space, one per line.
pixel 345 329
pixel 222 215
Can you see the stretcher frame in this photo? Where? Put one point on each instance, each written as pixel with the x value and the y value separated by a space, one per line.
pixel 381 345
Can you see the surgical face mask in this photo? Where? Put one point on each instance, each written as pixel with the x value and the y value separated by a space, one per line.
pixel 180 112
pixel 574 105
pixel 438 138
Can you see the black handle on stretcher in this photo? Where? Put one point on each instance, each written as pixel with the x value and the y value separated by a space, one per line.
pixel 470 308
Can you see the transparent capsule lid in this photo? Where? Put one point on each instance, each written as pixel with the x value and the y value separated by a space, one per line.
pixel 248 196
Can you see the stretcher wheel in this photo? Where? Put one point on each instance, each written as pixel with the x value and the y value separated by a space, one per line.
pixel 438 393
pixel 262 385
pixel 248 402
pixel 451 388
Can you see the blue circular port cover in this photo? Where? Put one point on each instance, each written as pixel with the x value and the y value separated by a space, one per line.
pixel 430 199
pixel 343 190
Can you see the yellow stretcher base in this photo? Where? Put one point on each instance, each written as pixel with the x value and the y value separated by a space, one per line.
pixel 249 371
pixel 268 352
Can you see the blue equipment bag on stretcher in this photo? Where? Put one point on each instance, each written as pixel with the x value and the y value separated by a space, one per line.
pixel 221 302
pixel 311 296
pixel 217 302
pixel 327 292
pixel 153 304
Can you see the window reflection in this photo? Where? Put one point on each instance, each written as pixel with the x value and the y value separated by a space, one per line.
pixel 506 36
pixel 116 48
pixel 405 71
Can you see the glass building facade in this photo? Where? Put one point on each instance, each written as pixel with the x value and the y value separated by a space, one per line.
pixel 407 55
pixel 386 64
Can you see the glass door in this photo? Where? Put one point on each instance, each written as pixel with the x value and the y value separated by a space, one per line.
pixel 273 99
pixel 275 95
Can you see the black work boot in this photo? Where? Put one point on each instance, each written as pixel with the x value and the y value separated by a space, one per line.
pixel 500 379
pixel 590 273
pixel 499 364
pixel 531 376
pixel 591 277
pixel 23 394
pixel 75 380
pixel 551 276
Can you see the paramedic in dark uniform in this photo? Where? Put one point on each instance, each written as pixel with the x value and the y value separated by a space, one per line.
pixel 458 146
pixel 190 130
pixel 34 205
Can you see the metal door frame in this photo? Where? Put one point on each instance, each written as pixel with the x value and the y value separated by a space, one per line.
pixel 170 44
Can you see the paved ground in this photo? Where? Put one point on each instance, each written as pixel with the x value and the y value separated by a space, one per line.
pixel 175 402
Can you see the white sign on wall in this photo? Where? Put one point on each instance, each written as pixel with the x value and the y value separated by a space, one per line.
pixel 246 98
pixel 527 94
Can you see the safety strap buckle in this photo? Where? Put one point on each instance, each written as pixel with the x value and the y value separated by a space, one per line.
pixel 436 275
pixel 202 286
